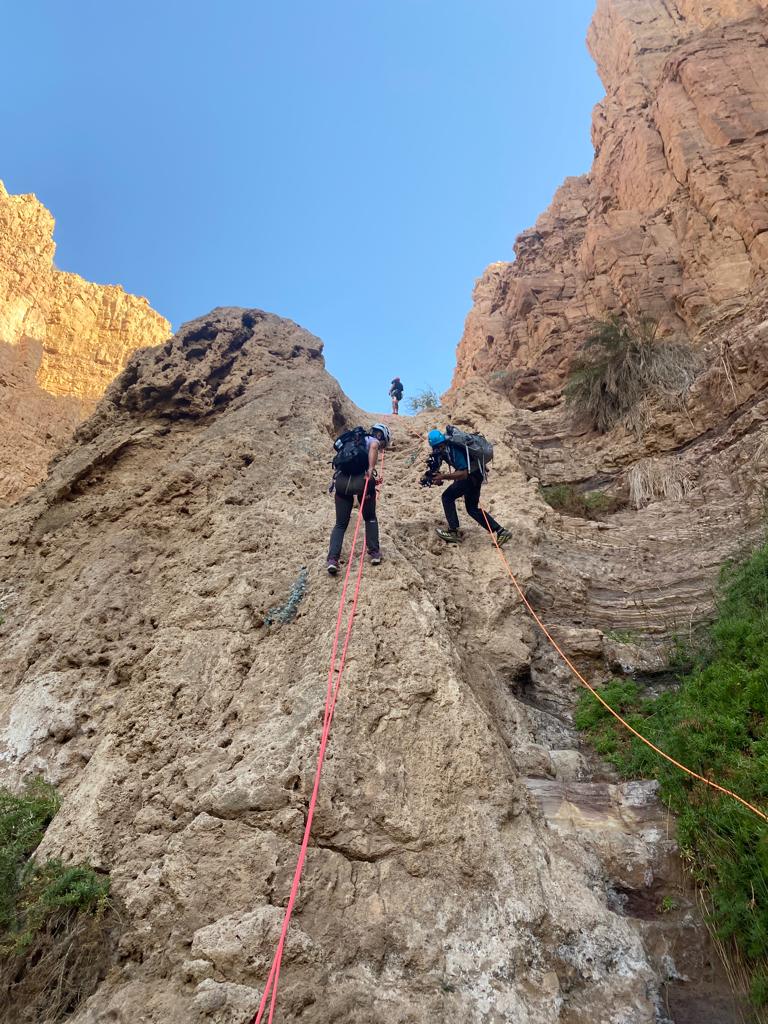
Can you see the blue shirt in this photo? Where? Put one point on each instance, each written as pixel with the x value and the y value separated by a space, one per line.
pixel 456 456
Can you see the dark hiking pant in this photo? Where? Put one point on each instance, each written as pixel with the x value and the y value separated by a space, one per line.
pixel 469 489
pixel 347 489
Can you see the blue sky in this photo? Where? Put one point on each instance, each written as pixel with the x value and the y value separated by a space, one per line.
pixel 351 164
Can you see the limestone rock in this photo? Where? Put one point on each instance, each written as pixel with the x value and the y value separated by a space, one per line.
pixel 62 342
pixel 136 581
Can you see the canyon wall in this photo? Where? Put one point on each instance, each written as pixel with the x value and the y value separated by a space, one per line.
pixel 166 631
pixel 62 342
pixel 167 621
pixel 671 221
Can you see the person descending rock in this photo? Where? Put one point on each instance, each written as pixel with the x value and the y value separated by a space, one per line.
pixel 357 453
pixel 467 455
pixel 396 393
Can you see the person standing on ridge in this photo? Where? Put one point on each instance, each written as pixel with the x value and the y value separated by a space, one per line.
pixel 396 393
pixel 467 457
pixel 357 453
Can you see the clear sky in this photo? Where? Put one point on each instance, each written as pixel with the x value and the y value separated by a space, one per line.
pixel 351 164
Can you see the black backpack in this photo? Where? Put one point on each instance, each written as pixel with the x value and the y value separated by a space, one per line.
pixel 478 449
pixel 351 456
pixel 397 391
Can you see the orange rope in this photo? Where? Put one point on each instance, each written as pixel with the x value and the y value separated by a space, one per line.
pixel 593 691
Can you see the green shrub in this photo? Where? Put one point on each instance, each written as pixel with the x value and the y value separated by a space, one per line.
pixel 570 501
pixel 716 723
pixel 624 367
pixel 32 892
pixel 23 821
pixel 423 400
pixel 58 928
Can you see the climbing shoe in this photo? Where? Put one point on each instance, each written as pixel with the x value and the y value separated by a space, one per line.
pixel 332 565
pixel 375 557
pixel 450 536
pixel 502 537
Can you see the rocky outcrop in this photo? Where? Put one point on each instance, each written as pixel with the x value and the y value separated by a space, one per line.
pixel 467 861
pixel 672 220
pixel 62 342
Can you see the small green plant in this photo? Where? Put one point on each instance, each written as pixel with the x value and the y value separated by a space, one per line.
pixel 23 821
pixel 31 892
pixel 570 501
pixel 623 636
pixel 57 925
pixel 623 368
pixel 423 400
pixel 667 905
pixel 716 723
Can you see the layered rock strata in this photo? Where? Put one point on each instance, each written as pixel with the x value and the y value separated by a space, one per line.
pixel 62 342
pixel 672 220
pixel 462 863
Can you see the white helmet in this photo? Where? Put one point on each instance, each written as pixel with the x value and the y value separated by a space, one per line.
pixel 384 431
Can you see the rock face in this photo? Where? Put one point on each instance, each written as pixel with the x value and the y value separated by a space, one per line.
pixel 467 860
pixel 672 220
pixel 62 342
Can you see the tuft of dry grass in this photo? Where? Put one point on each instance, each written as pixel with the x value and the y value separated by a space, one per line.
pixel 624 369
pixel 653 479
pixel 64 964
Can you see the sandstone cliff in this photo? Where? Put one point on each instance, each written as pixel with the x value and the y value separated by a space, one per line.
pixel 468 861
pixel 672 220
pixel 62 342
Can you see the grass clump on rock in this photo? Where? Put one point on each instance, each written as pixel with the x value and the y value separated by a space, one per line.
pixel 56 920
pixel 716 723
pixel 570 501
pixel 623 369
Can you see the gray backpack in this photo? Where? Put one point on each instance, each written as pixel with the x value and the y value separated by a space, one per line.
pixel 478 448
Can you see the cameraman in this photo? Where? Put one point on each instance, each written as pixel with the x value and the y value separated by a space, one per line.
pixel 466 482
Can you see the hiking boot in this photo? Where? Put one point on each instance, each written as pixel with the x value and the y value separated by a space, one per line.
pixel 332 565
pixel 450 536
pixel 502 537
pixel 375 557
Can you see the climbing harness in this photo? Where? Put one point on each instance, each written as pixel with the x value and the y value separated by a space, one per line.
pixel 593 691
pixel 332 693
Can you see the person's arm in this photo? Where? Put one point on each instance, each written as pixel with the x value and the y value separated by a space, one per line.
pixel 458 474
pixel 373 456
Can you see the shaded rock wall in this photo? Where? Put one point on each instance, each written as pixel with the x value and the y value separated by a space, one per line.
pixel 63 341
pixel 672 220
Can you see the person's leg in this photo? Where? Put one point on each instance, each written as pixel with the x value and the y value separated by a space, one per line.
pixel 344 504
pixel 370 520
pixel 472 502
pixel 450 494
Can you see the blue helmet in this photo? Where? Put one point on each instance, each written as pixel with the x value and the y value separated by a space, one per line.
pixel 436 437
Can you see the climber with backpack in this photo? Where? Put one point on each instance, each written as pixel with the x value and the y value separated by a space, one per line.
pixel 396 394
pixel 357 452
pixel 468 456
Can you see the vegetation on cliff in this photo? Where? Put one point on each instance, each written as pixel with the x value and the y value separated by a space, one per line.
pixel 716 723
pixel 53 917
pixel 623 368
pixel 570 501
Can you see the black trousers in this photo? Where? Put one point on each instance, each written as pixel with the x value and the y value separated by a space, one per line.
pixel 347 489
pixel 469 489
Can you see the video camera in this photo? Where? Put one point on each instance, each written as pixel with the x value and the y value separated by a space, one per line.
pixel 433 468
